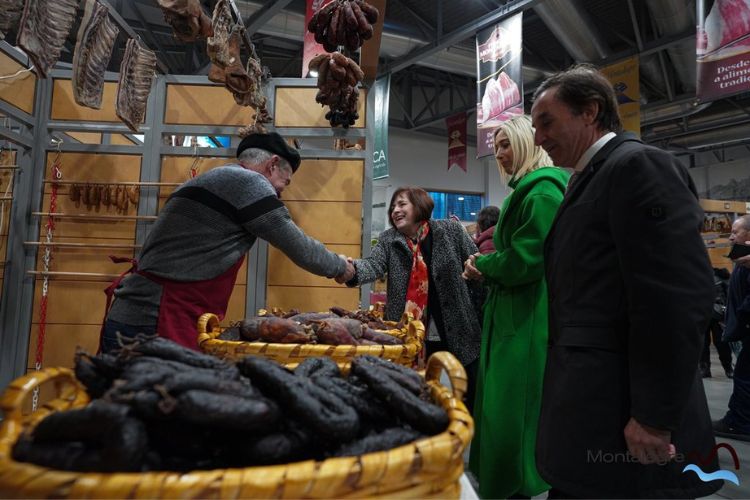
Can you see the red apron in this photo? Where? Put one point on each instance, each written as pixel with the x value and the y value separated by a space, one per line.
pixel 183 302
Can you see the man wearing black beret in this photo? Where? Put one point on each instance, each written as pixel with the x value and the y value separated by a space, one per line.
pixel 189 262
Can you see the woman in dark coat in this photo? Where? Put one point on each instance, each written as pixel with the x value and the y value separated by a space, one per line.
pixel 423 259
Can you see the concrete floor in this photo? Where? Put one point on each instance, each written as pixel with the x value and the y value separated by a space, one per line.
pixel 718 389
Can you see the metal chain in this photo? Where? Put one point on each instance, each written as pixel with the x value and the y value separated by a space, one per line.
pixel 46 260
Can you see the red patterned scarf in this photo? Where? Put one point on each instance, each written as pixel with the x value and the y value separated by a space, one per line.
pixel 416 294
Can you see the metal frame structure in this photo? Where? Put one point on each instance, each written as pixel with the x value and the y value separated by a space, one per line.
pixel 34 134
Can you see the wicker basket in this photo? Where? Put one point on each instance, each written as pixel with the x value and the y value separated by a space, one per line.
pixel 427 468
pixel 292 354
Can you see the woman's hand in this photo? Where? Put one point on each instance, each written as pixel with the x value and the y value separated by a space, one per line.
pixel 470 270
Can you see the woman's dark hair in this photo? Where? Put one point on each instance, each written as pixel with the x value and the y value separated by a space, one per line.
pixel 580 85
pixel 488 217
pixel 418 197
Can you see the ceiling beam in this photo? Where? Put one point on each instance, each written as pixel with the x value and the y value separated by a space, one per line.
pixel 264 14
pixel 426 28
pixel 460 34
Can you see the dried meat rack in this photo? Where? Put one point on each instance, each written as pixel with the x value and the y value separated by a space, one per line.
pixel 39 112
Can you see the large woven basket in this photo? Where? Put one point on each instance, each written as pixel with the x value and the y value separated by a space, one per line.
pixel 292 354
pixel 427 468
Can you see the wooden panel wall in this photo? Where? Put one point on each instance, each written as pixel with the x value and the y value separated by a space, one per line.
pixel 64 107
pixel 325 200
pixel 18 91
pixel 296 107
pixel 7 157
pixel 76 304
pixel 204 105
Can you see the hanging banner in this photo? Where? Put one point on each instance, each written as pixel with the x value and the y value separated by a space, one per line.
pixel 624 77
pixel 722 48
pixel 382 89
pixel 456 141
pixel 499 80
pixel 311 48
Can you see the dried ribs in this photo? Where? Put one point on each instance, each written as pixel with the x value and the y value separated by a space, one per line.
pixel 136 75
pixel 45 25
pixel 96 37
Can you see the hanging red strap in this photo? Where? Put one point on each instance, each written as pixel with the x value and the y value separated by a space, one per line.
pixel 56 175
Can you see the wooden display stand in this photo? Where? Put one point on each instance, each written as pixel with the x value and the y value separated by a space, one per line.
pixel 325 198
pixel 720 214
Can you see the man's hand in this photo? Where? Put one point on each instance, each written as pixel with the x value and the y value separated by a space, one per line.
pixel 348 273
pixel 470 270
pixel 744 261
pixel 648 445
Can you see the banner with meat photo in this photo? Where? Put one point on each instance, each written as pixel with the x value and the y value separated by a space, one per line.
pixel 499 80
pixel 456 141
pixel 722 48
pixel 311 48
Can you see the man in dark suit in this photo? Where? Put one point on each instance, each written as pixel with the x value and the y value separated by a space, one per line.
pixel 736 423
pixel 631 293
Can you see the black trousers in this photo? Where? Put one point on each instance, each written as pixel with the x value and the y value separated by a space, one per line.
pixel 715 331
pixel 471 371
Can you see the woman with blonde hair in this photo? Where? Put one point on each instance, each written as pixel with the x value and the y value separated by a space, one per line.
pixel 514 331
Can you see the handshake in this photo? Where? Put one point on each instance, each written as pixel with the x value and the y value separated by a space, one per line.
pixel 349 272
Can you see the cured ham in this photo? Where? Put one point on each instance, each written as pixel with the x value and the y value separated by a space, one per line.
pixel 217 45
pixel 96 38
pixel 136 76
pixel 729 20
pixel 499 95
pixel 187 19
pixel 45 24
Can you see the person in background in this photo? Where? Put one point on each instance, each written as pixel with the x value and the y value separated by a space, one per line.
pixel 514 330
pixel 630 297
pixel 486 222
pixel 423 258
pixel 736 423
pixel 191 257
pixel 716 328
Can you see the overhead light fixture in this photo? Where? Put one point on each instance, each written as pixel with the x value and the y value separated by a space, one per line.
pixel 472 213
pixel 460 198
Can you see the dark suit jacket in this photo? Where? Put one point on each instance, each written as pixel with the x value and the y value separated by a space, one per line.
pixel 631 293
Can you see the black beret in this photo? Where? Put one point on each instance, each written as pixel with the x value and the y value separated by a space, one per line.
pixel 273 143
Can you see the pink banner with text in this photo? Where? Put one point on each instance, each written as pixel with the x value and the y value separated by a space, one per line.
pixel 722 48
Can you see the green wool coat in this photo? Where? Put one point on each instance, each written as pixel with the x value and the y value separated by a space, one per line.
pixel 514 339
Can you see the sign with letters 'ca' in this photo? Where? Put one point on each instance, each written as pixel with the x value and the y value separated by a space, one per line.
pixel 382 89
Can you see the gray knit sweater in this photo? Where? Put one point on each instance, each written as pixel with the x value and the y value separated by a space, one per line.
pixel 460 301
pixel 204 228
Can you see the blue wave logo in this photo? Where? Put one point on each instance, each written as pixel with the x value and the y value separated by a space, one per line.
pixel 719 474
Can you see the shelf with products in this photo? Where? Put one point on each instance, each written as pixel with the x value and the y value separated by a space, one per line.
pixel 717 226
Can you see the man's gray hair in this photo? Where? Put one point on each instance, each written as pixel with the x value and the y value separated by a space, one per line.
pixel 745 221
pixel 254 156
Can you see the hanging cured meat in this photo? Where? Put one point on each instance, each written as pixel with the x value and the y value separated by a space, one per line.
pixel 136 75
pixel 96 37
pixel 187 19
pixel 217 46
pixel 10 13
pixel 45 25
